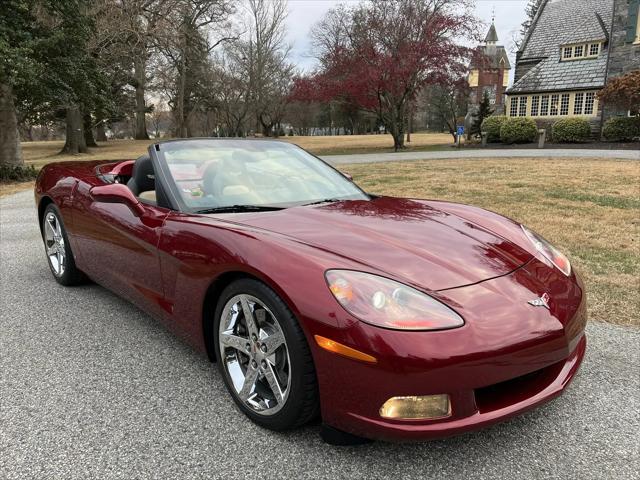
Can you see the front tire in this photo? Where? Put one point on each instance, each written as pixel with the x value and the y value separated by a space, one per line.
pixel 263 357
pixel 56 245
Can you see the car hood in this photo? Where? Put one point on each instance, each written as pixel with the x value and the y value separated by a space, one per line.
pixel 404 238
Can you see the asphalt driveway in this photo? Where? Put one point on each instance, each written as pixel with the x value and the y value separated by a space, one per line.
pixel 454 154
pixel 91 387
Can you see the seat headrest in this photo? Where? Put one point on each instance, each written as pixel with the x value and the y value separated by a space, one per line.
pixel 143 174
pixel 238 162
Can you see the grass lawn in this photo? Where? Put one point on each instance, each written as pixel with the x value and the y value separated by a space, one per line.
pixel 590 209
pixel 41 153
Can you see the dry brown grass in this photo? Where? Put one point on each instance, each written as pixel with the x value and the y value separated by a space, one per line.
pixel 588 208
pixel 41 153
pixel 14 187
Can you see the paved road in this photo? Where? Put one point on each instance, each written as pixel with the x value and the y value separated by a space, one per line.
pixel 481 153
pixel 91 387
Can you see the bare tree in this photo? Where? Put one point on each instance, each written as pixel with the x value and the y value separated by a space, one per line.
pixel 302 116
pixel 129 33
pixel 231 87
pixel 192 30
pixel 448 103
pixel 262 54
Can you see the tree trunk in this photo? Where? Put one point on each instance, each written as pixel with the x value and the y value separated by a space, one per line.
pixel 26 132
pixel 89 140
pixel 10 149
pixel 75 141
pixel 101 135
pixel 140 74
pixel 45 132
pixel 397 128
pixel 454 134
pixel 398 138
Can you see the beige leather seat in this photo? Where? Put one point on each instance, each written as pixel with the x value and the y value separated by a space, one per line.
pixel 149 196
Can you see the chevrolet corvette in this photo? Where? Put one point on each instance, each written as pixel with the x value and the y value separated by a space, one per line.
pixel 384 318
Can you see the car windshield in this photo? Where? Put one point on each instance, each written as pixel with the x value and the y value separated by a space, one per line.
pixel 214 174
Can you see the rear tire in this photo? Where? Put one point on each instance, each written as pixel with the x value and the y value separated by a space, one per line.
pixel 58 250
pixel 254 368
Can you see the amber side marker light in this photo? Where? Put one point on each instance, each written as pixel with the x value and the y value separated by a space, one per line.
pixel 335 347
pixel 428 407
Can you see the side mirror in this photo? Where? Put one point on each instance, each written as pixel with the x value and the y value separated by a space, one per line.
pixel 118 193
pixel 348 176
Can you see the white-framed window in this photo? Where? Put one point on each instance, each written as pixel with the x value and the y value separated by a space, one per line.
pixel 554 104
pixel 535 105
pixel 523 106
pixel 564 104
pixel 544 106
pixel 555 99
pixel 578 102
pixel 513 111
pixel 589 103
pixel 580 51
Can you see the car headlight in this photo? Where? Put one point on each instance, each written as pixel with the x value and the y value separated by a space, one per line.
pixel 385 303
pixel 550 252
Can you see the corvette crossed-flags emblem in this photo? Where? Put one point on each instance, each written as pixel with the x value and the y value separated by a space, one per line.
pixel 543 301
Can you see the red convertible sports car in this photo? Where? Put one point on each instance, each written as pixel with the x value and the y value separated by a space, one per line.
pixel 388 318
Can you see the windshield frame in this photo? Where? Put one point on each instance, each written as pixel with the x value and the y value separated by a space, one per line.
pixel 156 151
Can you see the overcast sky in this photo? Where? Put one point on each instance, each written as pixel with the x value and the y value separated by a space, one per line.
pixel 304 13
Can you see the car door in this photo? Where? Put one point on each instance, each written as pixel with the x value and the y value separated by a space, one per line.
pixel 119 249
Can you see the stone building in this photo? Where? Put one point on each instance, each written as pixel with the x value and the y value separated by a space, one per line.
pixel 570 52
pixel 489 72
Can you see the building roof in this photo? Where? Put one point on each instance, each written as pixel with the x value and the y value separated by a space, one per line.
pixel 491 55
pixel 494 56
pixel 558 23
pixel 492 35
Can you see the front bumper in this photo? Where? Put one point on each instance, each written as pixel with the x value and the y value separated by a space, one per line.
pixel 509 357
pixel 491 407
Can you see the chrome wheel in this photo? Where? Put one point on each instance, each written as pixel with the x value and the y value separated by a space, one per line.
pixel 254 354
pixel 54 243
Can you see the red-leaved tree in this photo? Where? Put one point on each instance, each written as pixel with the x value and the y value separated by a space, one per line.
pixel 379 54
pixel 623 92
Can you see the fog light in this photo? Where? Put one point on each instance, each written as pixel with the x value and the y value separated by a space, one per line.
pixel 426 407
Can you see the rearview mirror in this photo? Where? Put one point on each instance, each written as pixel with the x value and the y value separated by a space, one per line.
pixel 117 193
pixel 349 177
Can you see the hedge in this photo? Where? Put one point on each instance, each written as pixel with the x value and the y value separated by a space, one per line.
pixel 491 125
pixel 518 130
pixel 17 173
pixel 621 129
pixel 571 130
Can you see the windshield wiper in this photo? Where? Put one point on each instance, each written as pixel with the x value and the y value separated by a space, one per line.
pixel 325 200
pixel 240 209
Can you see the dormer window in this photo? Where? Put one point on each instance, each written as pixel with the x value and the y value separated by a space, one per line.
pixel 580 51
